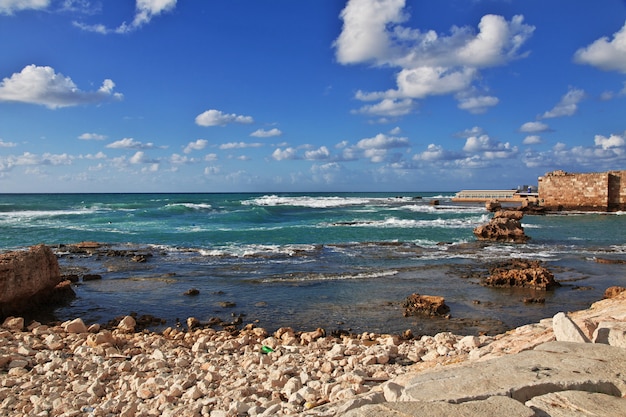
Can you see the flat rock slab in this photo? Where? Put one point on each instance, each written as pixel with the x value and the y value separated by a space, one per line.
pixel 578 404
pixel 491 407
pixel 551 367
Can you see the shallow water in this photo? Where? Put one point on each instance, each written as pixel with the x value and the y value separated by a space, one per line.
pixel 337 261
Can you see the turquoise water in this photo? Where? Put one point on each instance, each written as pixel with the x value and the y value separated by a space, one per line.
pixel 338 261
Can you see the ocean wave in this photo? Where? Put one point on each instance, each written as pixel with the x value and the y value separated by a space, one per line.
pixel 393 222
pixel 309 276
pixel 259 251
pixel 37 214
pixel 324 201
pixel 188 206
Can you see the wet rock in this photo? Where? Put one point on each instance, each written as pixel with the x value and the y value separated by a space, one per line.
pixel 192 291
pixel 91 277
pixel 505 226
pixel 613 292
pixel 521 273
pixel 427 305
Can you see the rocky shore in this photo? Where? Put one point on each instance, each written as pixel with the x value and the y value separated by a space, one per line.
pixel 74 370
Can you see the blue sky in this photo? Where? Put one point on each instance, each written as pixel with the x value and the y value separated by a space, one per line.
pixel 308 95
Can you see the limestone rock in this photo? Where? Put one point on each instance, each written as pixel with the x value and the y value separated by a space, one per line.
pixel 505 226
pixel 27 278
pixel 521 273
pixel 565 330
pixel 612 292
pixel 428 305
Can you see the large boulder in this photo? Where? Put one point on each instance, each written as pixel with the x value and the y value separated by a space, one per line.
pixel 521 273
pixel 505 226
pixel 27 279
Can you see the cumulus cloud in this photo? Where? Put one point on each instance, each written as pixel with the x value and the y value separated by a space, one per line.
pixel 532 140
pixel 261 133
pixel 4 144
pixel 145 11
pixel 130 143
pixel 429 63
pixel 286 154
pixel 432 153
pixel 608 55
pixel 568 104
pixel 140 157
pixel 613 141
pixel 218 118
pixel 10 6
pixel 490 149
pixel 318 154
pixel 92 136
pixel 477 105
pixel 386 107
pixel 534 127
pixel 240 145
pixel 196 145
pixel 382 141
pixel 43 85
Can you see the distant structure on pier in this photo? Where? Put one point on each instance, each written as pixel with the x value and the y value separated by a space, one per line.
pixel 595 191
pixel 561 191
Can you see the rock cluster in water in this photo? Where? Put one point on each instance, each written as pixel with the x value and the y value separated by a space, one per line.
pixel 505 226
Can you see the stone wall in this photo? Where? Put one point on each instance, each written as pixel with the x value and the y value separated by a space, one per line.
pixel 598 191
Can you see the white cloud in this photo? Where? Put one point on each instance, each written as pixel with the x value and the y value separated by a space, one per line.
pixel 608 55
pixel 568 104
pixel 130 143
pixel 42 85
pixel 430 64
pixel 382 141
pixel 477 105
pixel 261 133
pixel 473 131
pixel 317 154
pixel 217 118
pixel 240 145
pixel 432 153
pixel 10 6
pixel 196 145
pixel 92 136
pixel 489 148
pixel 387 107
pixel 613 141
pixel 140 157
pixel 145 11
pixel 210 157
pixel 288 153
pixel 534 127
pixel 4 144
pixel 532 140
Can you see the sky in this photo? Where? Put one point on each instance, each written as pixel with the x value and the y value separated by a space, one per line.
pixel 308 95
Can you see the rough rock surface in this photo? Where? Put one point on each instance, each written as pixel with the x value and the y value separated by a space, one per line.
pixel 505 226
pixel 427 305
pixel 521 273
pixel 27 277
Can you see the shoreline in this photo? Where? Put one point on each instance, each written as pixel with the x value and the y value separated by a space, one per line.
pixel 69 370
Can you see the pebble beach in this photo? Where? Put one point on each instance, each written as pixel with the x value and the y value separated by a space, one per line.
pixel 72 370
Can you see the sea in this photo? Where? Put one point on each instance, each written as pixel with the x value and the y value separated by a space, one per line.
pixel 344 262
